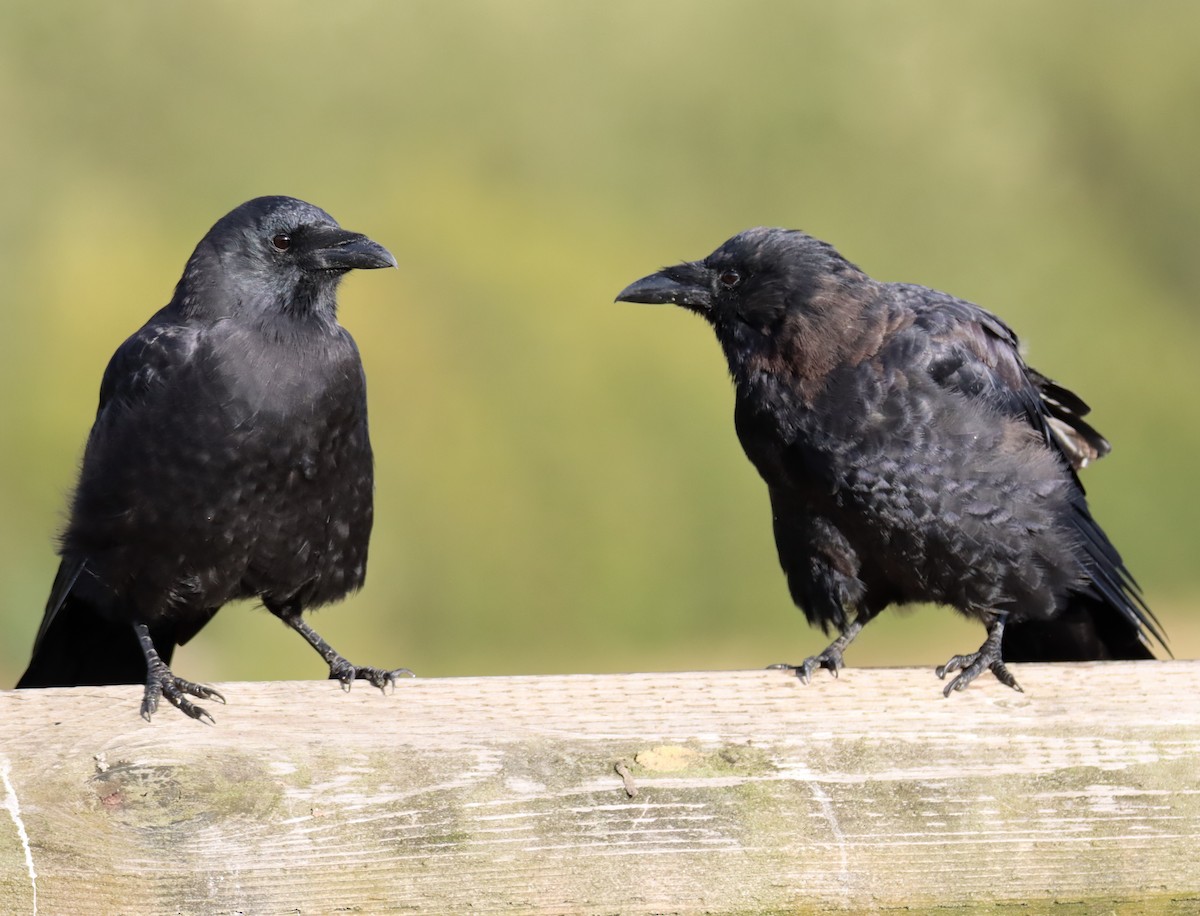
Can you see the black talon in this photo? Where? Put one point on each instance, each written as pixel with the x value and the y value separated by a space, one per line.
pixel 162 682
pixel 1005 677
pixel 987 658
pixel 348 673
pixel 339 668
pixel 830 658
pixel 382 678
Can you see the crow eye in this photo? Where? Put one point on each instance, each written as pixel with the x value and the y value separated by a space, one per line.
pixel 282 242
pixel 730 278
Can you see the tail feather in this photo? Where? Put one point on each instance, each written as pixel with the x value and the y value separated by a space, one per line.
pixel 80 647
pixel 1107 619
pixel 1088 629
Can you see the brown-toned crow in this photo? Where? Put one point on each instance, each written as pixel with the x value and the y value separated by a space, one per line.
pixel 910 456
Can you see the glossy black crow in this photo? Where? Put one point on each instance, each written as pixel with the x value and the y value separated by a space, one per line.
pixel 229 459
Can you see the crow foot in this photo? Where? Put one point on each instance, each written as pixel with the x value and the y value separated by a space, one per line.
pixel 830 659
pixel 339 668
pixel 161 682
pixel 987 658
pixel 347 673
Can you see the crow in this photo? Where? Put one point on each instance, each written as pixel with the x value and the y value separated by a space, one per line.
pixel 229 458
pixel 910 455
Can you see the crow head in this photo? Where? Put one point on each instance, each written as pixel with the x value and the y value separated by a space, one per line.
pixel 274 255
pixel 752 282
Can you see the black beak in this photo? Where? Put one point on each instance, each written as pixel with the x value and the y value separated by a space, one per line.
pixel 688 285
pixel 333 248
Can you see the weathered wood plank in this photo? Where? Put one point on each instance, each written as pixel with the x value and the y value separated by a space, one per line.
pixel 753 793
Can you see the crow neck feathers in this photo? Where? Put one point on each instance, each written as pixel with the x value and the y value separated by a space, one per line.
pixel 836 320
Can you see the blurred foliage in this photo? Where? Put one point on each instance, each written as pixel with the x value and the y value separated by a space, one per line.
pixel 559 485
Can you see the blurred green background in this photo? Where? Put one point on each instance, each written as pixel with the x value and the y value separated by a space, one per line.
pixel 559 487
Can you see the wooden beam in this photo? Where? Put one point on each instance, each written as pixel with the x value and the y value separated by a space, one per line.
pixel 723 792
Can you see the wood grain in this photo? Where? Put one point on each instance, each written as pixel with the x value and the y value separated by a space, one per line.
pixel 723 792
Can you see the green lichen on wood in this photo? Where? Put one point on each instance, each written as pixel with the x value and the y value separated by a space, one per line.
pixel 154 796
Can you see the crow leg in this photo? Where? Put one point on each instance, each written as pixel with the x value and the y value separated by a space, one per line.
pixel 161 682
pixel 988 657
pixel 339 668
pixel 831 658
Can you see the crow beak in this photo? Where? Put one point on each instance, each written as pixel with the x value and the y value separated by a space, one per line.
pixel 688 285
pixel 333 248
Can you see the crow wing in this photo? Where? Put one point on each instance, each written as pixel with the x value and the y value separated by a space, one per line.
pixel 975 353
pixel 140 368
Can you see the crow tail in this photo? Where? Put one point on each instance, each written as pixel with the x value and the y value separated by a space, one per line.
pixel 78 646
pixel 1089 628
